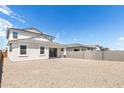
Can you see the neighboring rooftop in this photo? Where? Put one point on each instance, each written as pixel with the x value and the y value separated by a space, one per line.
pixel 81 45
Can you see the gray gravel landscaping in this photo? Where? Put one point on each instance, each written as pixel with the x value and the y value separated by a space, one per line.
pixel 63 73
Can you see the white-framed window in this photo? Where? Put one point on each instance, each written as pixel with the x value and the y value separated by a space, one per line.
pixel 23 49
pixel 15 35
pixel 42 49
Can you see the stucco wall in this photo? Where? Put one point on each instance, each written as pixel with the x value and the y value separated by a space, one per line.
pixel 33 52
pixel 24 34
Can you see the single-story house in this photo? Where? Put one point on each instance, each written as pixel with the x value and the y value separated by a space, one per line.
pixel 81 47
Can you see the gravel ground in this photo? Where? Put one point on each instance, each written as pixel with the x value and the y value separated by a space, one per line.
pixel 63 73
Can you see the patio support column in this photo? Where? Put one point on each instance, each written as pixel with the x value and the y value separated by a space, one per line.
pixel 64 52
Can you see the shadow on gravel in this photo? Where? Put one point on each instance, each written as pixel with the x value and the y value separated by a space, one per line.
pixel 1 67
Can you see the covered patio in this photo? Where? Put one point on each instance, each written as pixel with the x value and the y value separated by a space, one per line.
pixel 56 50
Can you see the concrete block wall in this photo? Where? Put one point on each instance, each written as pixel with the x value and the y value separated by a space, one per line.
pixel 97 55
pixel 113 55
pixel 76 54
pixel 93 55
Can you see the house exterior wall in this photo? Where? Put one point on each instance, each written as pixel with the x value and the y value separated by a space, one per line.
pixel 24 35
pixel 33 52
pixel 72 48
pixel 80 48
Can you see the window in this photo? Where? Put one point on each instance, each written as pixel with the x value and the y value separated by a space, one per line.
pixel 23 50
pixel 15 35
pixel 76 49
pixel 42 50
pixel 10 47
pixel 62 49
pixel 88 49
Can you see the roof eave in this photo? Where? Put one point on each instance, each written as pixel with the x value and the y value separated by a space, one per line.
pixel 51 37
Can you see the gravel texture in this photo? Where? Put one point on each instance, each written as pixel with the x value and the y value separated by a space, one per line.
pixel 63 73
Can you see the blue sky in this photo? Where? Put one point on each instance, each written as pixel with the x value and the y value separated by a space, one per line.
pixel 102 25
